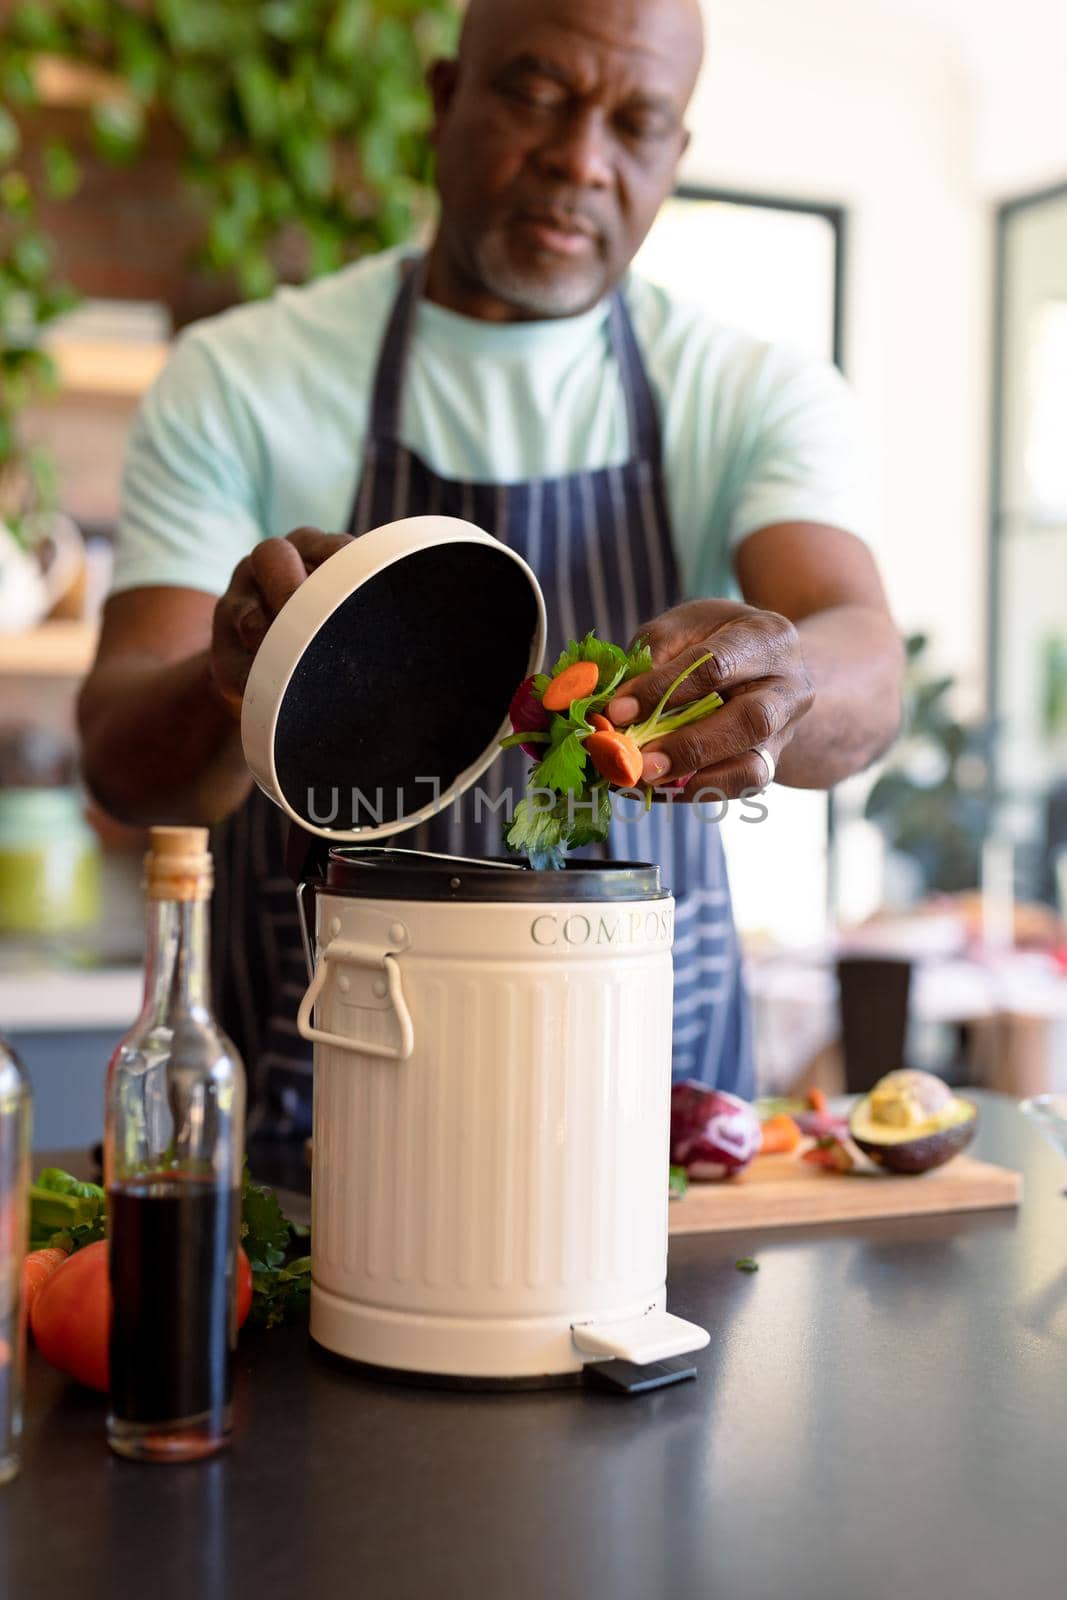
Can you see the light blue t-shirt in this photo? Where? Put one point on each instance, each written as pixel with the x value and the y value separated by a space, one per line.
pixel 257 424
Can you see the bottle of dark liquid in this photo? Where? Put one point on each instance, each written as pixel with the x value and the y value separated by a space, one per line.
pixel 173 1153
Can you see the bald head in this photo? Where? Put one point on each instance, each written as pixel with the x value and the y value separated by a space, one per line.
pixel 675 27
pixel 558 130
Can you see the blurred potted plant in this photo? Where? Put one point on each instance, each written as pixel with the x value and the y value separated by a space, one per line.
pixel 300 127
pixel 933 801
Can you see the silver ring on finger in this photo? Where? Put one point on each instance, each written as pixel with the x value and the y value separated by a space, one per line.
pixel 768 761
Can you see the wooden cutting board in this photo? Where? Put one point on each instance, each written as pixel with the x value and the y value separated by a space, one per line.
pixel 785 1192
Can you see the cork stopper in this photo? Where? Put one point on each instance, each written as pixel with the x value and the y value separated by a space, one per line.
pixel 178 864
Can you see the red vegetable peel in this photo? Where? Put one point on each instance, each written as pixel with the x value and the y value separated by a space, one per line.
pixel 713 1134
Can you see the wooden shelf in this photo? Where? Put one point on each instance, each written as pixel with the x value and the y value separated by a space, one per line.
pixel 112 370
pixel 53 650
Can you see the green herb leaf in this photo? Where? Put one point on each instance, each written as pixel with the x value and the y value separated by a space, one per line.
pixel 536 832
pixel 280 1293
pixel 747 1264
pixel 638 661
pixel 563 768
pixel 65 1211
pixel 265 1231
pixel 677 1183
pixel 585 818
pixel 61 1182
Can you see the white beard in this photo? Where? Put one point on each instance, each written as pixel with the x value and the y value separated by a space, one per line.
pixel 575 288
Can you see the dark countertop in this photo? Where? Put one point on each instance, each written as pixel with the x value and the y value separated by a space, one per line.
pixel 882 1412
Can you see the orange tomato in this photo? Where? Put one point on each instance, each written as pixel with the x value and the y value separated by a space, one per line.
pixel 71 1316
pixel 244 1287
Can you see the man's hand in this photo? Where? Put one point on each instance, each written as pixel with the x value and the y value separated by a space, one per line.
pixel 260 586
pixel 160 711
pixel 756 665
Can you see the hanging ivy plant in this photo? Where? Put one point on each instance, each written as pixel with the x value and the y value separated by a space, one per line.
pixel 302 126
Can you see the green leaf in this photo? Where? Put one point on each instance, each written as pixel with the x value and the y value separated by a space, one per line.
pixel 327 248
pixel 265 1232
pixel 257 95
pixel 638 661
pixel 31 256
pixel 280 1293
pixel 118 129
pixel 610 659
pixel 677 1182
pixel 10 138
pixel 587 818
pixel 747 1264
pixel 65 1211
pixel 15 195
pixel 62 174
pixel 140 59
pixel 563 768
pixel 256 276
pixel 284 19
pixel 32 24
pixel 54 300
pixel 535 831
pixel 16 79
pixel 198 101
pixel 348 29
pixel 377 152
pixel 310 163
pixel 60 1182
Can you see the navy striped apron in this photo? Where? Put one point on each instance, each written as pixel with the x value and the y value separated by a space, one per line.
pixel 600 544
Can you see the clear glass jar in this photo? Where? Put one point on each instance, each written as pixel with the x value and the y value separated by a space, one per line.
pixel 15 1118
pixel 49 862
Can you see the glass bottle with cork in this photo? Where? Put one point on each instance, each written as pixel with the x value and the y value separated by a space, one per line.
pixel 173 1154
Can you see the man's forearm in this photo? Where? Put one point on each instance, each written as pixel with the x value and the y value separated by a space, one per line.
pixel 855 660
pixel 159 744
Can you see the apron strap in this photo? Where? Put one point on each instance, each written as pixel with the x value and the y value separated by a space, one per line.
pixel 641 406
pixel 384 423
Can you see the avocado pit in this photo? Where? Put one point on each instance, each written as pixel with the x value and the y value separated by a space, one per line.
pixel 911 1122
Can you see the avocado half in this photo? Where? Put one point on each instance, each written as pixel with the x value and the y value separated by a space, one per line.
pixel 911 1122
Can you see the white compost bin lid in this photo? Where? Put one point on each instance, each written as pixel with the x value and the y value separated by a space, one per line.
pixel 389 672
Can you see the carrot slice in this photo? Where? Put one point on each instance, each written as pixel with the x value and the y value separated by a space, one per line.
pixel 615 757
pixel 573 683
pixel 37 1268
pixel 780 1135
pixel 817 1099
pixel 595 720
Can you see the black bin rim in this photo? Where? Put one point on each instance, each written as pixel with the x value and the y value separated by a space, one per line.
pixel 388 873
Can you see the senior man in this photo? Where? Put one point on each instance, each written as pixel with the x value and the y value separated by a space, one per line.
pixel 649 462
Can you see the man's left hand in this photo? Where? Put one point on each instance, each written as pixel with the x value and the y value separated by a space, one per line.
pixel 756 665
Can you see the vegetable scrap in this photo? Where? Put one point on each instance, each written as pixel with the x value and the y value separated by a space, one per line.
pixel 747 1264
pixel 832 1153
pixel 677 1183
pixel 557 719
pixel 281 1286
pixel 65 1212
pixel 714 1134
pixel 781 1136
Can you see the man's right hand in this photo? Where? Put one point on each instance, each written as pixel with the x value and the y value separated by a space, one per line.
pixel 260 586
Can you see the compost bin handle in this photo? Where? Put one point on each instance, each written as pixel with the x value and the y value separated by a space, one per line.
pixel 364 956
